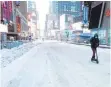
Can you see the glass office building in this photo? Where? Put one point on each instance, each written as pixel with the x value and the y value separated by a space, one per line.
pixel 66 7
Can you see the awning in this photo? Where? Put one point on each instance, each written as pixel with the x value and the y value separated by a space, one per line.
pixel 3 28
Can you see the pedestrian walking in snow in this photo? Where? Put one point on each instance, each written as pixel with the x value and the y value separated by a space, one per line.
pixel 94 44
pixel 30 38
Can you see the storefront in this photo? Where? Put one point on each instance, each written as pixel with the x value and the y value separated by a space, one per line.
pixel 103 26
pixel 109 36
pixel 106 24
pixel 102 35
pixel 107 14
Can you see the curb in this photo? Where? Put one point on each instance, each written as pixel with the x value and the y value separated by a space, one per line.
pixel 102 47
pixel 108 47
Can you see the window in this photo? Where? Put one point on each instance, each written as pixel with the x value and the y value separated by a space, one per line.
pixel 73 8
pixel 65 8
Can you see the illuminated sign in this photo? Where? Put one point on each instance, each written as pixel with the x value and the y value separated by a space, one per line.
pixel 6 12
pixel 18 27
pixel 18 24
pixel 10 6
pixel 107 13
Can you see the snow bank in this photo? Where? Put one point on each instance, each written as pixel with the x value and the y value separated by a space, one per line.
pixel 9 55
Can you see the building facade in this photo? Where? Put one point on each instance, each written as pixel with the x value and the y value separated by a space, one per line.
pixel 103 28
pixel 34 31
pixel 6 16
pixel 69 12
pixel 14 15
pixel 20 18
pixel 66 7
pixel 72 10
pixel 106 24
pixel 52 24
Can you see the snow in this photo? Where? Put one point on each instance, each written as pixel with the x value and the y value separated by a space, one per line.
pixel 9 55
pixel 58 64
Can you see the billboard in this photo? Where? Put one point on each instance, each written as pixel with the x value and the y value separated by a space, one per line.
pixel 18 24
pixel 7 15
pixel 6 11
pixel 54 20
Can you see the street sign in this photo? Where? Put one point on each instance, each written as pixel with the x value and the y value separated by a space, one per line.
pixel 85 15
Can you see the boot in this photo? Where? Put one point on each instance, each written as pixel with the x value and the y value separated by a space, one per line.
pixel 93 58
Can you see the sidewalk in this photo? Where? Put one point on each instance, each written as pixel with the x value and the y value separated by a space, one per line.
pixel 100 46
pixel 9 55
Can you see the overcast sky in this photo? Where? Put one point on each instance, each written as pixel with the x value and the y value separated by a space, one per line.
pixel 43 8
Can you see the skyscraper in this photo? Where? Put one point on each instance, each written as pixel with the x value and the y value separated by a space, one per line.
pixel 20 17
pixel 66 7
pixel 32 19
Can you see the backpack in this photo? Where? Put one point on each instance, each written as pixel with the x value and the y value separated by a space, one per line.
pixel 94 42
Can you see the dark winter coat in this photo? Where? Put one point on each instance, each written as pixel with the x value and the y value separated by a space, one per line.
pixel 94 42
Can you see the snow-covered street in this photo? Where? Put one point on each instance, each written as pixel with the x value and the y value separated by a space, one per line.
pixel 58 64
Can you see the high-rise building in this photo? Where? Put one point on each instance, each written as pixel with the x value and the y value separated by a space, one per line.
pixel 100 22
pixel 66 7
pixel 14 15
pixel 71 9
pixel 51 24
pixel 20 19
pixel 33 20
pixel 7 17
pixel 3 28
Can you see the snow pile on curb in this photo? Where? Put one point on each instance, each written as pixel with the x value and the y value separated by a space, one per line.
pixel 9 55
